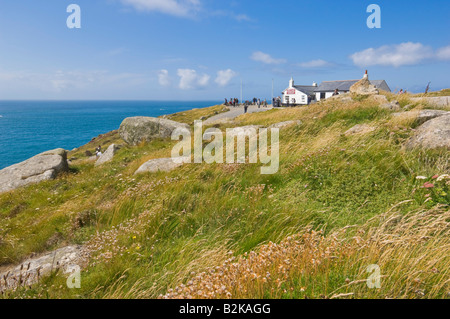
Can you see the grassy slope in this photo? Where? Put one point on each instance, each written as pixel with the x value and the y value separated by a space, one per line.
pixel 444 92
pixel 196 114
pixel 153 232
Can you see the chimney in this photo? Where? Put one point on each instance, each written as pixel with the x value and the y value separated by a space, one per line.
pixel 291 82
pixel 314 84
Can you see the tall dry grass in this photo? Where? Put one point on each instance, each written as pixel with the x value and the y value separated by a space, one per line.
pixel 412 251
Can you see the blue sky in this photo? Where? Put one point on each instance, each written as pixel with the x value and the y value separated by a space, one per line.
pixel 201 49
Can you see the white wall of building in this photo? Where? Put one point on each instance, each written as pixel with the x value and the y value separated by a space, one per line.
pixel 293 96
pixel 327 95
pixel 296 98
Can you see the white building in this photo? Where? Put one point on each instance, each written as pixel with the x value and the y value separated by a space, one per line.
pixel 305 94
pixel 327 88
pixel 298 94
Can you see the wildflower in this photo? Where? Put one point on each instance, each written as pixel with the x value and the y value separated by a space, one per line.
pixel 420 292
pixel 442 177
pixel 420 177
pixel 428 185
pixel 435 176
pixel 435 271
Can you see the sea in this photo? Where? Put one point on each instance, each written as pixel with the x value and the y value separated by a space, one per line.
pixel 28 128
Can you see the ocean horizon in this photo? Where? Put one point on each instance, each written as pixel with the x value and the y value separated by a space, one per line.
pixel 30 127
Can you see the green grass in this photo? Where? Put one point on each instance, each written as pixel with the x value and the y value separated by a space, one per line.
pixel 169 225
pixel 444 92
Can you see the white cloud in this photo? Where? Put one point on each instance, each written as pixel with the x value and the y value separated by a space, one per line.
pixel 243 17
pixel 184 8
pixel 164 78
pixel 173 7
pixel 407 53
pixel 266 58
pixel 224 77
pixel 443 53
pixel 315 64
pixel 190 79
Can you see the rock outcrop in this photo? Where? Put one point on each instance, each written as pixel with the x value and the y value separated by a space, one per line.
pixel 392 106
pixel 426 115
pixel 162 165
pixel 433 134
pixel 108 155
pixel 134 130
pixel 30 271
pixel 438 101
pixel 364 87
pixel 343 97
pixel 422 116
pixel 42 167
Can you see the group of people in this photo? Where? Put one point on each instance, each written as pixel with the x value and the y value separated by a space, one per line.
pixel 232 102
pixel 259 102
pixel 276 101
pixel 402 92
pixel 235 102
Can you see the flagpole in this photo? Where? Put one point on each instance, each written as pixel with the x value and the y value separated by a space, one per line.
pixel 241 91
pixel 272 89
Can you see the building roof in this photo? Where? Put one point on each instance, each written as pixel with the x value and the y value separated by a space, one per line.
pixel 330 86
pixel 307 89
